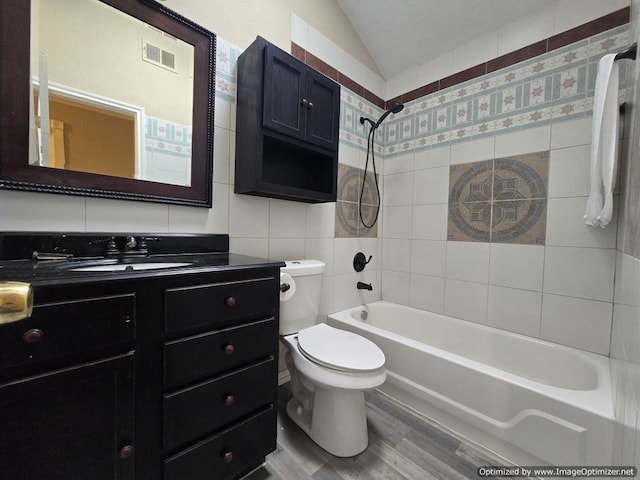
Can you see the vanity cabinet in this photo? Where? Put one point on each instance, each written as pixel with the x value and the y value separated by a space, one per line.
pixel 220 377
pixel 67 391
pixel 287 128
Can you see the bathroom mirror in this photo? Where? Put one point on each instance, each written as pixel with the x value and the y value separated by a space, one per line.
pixel 107 98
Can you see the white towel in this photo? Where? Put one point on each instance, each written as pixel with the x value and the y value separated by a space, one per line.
pixel 604 146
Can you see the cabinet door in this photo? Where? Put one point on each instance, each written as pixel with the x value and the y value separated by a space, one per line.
pixel 323 110
pixel 71 423
pixel 284 93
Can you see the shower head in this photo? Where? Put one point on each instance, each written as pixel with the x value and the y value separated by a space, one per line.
pixel 395 108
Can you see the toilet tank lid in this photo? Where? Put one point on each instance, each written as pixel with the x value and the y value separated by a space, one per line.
pixel 303 267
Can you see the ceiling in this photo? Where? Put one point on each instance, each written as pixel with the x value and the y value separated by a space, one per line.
pixel 401 33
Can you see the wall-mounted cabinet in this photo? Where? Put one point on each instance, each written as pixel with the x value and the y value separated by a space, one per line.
pixel 287 127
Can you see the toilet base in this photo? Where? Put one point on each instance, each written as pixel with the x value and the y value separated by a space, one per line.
pixel 337 422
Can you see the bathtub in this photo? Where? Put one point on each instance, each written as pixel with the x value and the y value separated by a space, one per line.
pixel 528 400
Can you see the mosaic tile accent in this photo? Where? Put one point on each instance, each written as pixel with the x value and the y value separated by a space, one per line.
pixel 348 223
pixel 499 201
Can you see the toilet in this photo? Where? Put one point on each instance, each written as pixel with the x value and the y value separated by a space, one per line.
pixel 330 368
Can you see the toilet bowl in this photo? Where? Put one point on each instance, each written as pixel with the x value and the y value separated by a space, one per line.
pixel 330 368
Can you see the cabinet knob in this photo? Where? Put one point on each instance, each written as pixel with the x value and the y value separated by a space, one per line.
pixel 32 336
pixel 230 301
pixel 227 456
pixel 229 400
pixel 304 102
pixel 310 106
pixel 126 451
pixel 229 349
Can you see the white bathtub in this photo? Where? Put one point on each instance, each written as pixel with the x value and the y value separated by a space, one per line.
pixel 531 401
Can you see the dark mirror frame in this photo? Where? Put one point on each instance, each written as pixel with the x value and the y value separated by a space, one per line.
pixel 15 171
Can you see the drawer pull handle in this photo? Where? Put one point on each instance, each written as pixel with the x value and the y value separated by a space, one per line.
pixel 229 400
pixel 227 456
pixel 229 349
pixel 126 451
pixel 230 301
pixel 32 336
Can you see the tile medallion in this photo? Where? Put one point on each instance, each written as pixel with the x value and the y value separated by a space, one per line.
pixel 348 223
pixel 500 201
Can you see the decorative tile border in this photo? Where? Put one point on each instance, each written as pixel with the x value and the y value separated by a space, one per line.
pixel 499 201
pixel 167 137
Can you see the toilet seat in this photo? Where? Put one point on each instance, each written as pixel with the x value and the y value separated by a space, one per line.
pixel 339 350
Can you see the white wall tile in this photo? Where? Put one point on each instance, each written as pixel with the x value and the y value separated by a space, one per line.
pixel 299 31
pixel 326 296
pixel 248 216
pixel 434 157
pixel 572 13
pixel 321 46
pixel 477 51
pixel 466 300
pixel 403 82
pixel 523 141
pixel 286 249
pixel 399 164
pixel 395 286
pixel 397 222
pixel 320 249
pixel 514 310
pixel 435 69
pixel 321 220
pixel 396 254
pixel 625 333
pixel 222 114
pixel 517 266
pixel 473 151
pixel 627 281
pixel 427 293
pixel 566 226
pixel 522 33
pixel 576 322
pixel 398 189
pixel 579 272
pixel 27 211
pixel 431 186
pixel 221 152
pixel 430 222
pixel 117 215
pixel 569 172
pixel 287 219
pixel 571 133
pixel 428 257
pixel 255 247
pixel 202 220
pixel 351 156
pixel 468 261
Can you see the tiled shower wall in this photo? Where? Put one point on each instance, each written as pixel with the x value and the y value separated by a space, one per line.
pixel 551 278
pixel 625 341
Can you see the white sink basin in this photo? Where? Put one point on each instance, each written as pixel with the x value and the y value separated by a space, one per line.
pixel 126 267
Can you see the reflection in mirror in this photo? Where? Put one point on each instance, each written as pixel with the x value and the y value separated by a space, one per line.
pixel 133 121
pixel 106 98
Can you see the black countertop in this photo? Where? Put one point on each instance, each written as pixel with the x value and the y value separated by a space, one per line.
pixel 203 253
pixel 61 271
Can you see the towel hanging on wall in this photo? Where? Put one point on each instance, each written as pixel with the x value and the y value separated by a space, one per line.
pixel 604 146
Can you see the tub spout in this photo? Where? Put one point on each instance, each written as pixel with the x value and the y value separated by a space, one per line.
pixel 364 286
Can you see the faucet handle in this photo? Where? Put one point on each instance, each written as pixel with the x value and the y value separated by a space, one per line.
pixel 142 243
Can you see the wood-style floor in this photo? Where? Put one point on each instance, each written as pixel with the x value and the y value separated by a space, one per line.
pixel 402 445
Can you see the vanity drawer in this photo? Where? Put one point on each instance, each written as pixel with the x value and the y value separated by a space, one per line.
pixel 194 412
pixel 64 328
pixel 193 358
pixel 206 305
pixel 228 454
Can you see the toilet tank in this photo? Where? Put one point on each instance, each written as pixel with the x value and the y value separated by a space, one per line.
pixel 299 306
